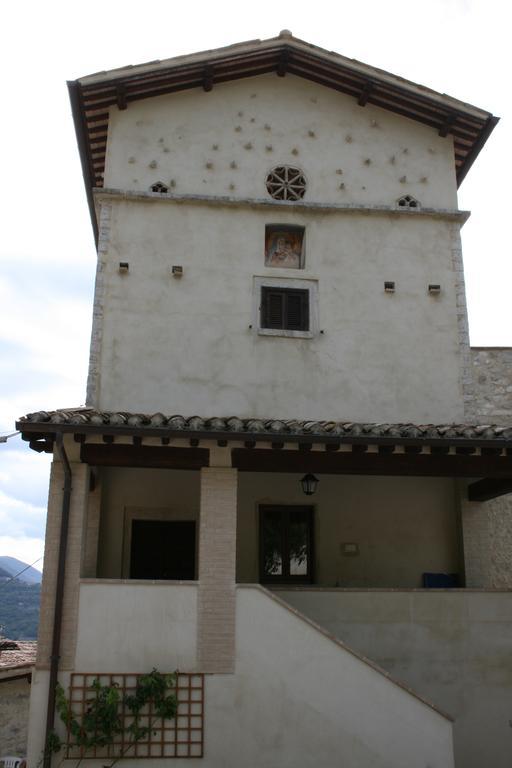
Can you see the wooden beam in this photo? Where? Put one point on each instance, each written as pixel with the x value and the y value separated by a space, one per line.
pixel 357 463
pixel 365 94
pixel 465 450
pixel 121 96
pixel 386 449
pixel 21 676
pixel 125 455
pixel 41 446
pixel 489 488
pixel 282 64
pixel 447 124
pixel 491 451
pixel 207 79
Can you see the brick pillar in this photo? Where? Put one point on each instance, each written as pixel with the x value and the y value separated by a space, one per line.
pixel 79 494
pixel 217 561
pixel 487 536
pixel 91 533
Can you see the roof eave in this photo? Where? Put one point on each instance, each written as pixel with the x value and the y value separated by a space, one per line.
pixel 32 431
pixel 411 94
pixel 83 148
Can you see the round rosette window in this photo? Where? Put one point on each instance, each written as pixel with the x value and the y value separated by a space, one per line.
pixel 286 183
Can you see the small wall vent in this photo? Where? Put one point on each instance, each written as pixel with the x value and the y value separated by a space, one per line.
pixel 160 187
pixel 407 201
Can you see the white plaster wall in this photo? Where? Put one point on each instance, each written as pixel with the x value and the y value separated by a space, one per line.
pixel 297 698
pixel 37 715
pixel 134 626
pixel 404 526
pixel 186 346
pixel 168 494
pixel 452 647
pixel 192 139
pixel 14 701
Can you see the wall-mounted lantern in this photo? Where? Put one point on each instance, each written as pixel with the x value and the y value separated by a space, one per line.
pixel 309 483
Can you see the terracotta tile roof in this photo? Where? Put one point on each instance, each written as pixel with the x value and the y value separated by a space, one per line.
pixel 22 655
pixel 89 420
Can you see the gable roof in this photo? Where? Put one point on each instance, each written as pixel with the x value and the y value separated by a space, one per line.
pixel 93 95
pixel 16 658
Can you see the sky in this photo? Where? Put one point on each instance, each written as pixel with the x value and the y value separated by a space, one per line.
pixel 47 256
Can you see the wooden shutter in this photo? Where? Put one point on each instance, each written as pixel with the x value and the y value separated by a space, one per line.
pixel 285 308
pixel 296 313
pixel 275 309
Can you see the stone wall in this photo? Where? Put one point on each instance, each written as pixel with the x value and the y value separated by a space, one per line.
pixel 492 383
pixel 487 533
pixel 487 527
pixel 14 699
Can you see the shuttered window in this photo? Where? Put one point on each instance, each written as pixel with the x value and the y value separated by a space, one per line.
pixel 285 308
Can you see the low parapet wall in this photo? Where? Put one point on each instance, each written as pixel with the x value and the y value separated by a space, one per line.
pixel 303 699
pixel 451 646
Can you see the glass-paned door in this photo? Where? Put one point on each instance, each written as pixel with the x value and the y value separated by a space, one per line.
pixel 286 544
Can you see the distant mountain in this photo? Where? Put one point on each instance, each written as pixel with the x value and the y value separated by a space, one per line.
pixel 10 566
pixel 19 609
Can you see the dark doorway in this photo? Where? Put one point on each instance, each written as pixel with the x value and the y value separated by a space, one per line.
pixel 163 549
pixel 286 544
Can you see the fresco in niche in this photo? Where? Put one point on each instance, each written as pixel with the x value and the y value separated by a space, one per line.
pixel 284 246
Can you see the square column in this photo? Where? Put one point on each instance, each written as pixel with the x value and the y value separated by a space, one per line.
pixel 77 511
pixel 217 566
pixel 74 553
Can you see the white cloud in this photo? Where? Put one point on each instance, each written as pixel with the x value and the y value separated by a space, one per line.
pixel 20 518
pixel 28 550
pixel 24 474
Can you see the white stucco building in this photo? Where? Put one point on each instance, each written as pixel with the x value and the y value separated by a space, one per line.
pixel 280 294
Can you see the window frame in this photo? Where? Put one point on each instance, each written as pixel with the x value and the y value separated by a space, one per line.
pixel 286 577
pixel 307 284
pixel 286 295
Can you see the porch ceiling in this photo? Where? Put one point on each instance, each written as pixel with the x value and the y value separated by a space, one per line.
pixel 333 447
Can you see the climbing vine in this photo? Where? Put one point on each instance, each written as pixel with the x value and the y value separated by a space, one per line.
pixel 101 722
